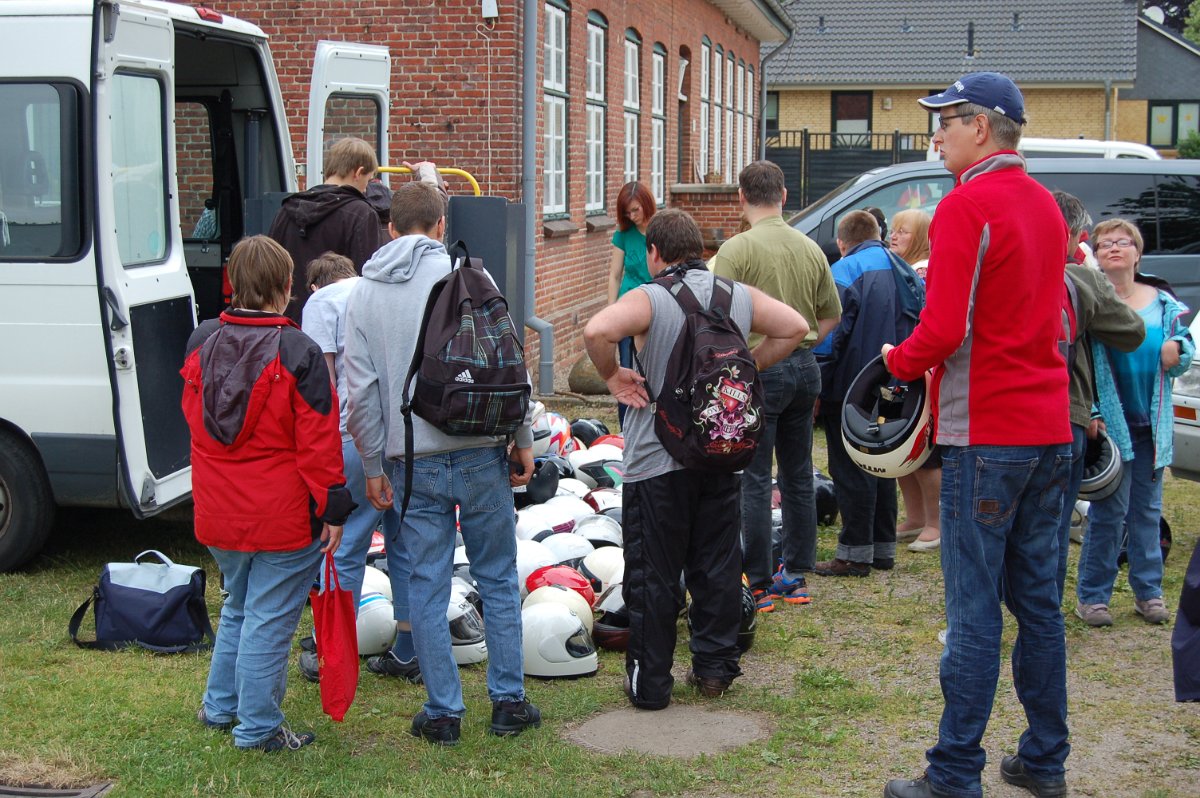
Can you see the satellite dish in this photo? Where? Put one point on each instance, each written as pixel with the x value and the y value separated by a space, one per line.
pixel 1155 14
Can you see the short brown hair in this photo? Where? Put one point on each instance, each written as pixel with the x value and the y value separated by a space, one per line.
pixel 857 227
pixel 328 268
pixel 1118 225
pixel 260 271
pixel 347 156
pixel 761 183
pixel 416 208
pixel 676 236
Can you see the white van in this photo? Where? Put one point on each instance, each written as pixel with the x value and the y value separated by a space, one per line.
pixel 1032 147
pixel 139 141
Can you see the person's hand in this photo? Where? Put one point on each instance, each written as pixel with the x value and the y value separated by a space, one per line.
pixel 1169 354
pixel 1095 427
pixel 331 536
pixel 884 351
pixel 627 386
pixel 379 492
pixel 522 459
pixel 425 171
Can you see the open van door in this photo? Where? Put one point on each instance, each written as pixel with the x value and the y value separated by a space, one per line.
pixel 348 97
pixel 146 298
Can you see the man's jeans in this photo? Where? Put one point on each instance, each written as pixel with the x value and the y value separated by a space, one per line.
pixel 1078 445
pixel 1137 504
pixel 867 503
pixel 248 676
pixel 1000 518
pixel 351 555
pixel 790 388
pixel 477 481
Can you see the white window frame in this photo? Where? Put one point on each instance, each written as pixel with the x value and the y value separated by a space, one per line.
pixel 633 57
pixel 740 138
pixel 718 62
pixel 705 66
pixel 554 108
pixel 631 146
pixel 658 125
pixel 597 116
pixel 751 128
pixel 595 61
pixel 554 50
pixel 729 176
pixel 658 79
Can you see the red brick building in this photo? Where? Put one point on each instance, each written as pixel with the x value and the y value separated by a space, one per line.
pixel 665 92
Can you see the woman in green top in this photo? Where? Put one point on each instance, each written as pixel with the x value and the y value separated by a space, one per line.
pixel 628 270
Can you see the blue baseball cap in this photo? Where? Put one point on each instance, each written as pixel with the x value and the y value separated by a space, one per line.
pixel 989 89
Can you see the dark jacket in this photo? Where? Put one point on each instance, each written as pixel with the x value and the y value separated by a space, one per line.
pixel 323 219
pixel 1185 640
pixel 874 312
pixel 266 452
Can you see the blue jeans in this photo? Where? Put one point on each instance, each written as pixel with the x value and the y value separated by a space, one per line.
pixel 1137 504
pixel 1078 445
pixel 790 388
pixel 477 481
pixel 248 676
pixel 1000 515
pixel 351 555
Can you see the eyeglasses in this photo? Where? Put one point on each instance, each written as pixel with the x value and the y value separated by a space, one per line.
pixel 1109 243
pixel 944 119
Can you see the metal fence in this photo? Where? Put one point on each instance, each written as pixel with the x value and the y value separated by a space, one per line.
pixel 815 163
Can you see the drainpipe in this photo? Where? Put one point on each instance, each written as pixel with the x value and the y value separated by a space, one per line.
pixel 762 93
pixel 542 327
pixel 1108 91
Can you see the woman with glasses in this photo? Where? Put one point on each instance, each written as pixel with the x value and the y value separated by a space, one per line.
pixel 627 269
pixel 1134 395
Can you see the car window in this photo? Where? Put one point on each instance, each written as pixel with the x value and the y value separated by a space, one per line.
pixel 923 193
pixel 1129 196
pixel 1178 209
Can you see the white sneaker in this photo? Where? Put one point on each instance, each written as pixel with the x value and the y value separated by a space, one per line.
pixel 1152 610
pixel 925 545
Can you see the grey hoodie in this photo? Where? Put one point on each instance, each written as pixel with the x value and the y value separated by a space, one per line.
pixel 383 320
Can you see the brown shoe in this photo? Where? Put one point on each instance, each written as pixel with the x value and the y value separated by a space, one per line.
pixel 708 686
pixel 836 567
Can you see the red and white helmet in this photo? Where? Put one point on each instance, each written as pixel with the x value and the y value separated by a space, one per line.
pixel 561 442
pixel 541 430
pixel 887 426
pixel 603 499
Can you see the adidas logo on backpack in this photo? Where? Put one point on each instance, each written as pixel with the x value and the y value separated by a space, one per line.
pixel 464 376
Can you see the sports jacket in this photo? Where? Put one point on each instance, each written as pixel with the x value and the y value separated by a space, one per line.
pixel 266 452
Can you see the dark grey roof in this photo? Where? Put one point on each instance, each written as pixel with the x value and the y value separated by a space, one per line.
pixel 894 42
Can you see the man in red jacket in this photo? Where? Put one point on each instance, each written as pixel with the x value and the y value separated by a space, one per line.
pixel 990 332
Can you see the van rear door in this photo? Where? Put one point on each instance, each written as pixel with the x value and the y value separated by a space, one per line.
pixel 348 97
pixel 145 295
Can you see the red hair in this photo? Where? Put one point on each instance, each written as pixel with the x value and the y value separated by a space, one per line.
pixel 629 194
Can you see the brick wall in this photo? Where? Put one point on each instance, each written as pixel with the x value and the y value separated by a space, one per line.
pixel 456 99
pixel 1065 113
pixel 1131 120
pixel 714 207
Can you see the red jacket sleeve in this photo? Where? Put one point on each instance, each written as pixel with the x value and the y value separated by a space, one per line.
pixel 958 238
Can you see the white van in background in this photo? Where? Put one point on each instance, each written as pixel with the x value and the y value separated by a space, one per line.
pixel 138 142
pixel 1032 147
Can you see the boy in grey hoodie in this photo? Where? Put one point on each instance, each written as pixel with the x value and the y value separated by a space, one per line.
pixel 467 474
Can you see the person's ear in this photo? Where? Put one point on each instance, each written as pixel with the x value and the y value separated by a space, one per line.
pixel 782 201
pixel 392 230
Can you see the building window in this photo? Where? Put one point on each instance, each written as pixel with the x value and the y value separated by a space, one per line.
pixel 705 66
pixel 1171 122
pixel 751 128
pixel 730 175
pixel 740 138
pixel 771 112
pixel 851 118
pixel 633 102
pixel 554 85
pixel 658 123
pixel 717 113
pixel 596 112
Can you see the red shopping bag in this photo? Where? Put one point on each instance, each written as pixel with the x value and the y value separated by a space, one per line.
pixel 336 633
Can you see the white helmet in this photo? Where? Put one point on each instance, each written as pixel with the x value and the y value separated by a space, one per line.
pixel 541 430
pixel 606 451
pixel 600 530
pixel 886 422
pixel 556 643
pixel 533 523
pixel 569 486
pixel 574 507
pixel 464 589
pixel 376 581
pixel 604 499
pixel 531 556
pixel 570 549
pixel 561 594
pixel 604 567
pixel 466 631
pixel 1079 520
pixel 1101 469
pixel 376 626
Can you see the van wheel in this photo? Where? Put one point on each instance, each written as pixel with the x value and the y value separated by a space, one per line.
pixel 26 503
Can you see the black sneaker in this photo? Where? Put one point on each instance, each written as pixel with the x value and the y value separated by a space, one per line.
pixel 283 738
pixel 215 725
pixel 388 664
pixel 1013 771
pixel 883 563
pixel 308 643
pixel 510 718
pixel 439 731
pixel 310 666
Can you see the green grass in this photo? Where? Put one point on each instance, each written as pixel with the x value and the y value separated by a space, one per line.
pixel 848 684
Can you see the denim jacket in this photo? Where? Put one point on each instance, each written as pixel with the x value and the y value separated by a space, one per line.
pixel 1162 418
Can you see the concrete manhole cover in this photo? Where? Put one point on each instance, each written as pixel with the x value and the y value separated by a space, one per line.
pixel 679 731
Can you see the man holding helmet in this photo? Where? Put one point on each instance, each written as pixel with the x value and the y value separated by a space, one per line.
pixel 991 331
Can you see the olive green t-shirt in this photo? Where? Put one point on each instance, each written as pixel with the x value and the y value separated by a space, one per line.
pixel 785 264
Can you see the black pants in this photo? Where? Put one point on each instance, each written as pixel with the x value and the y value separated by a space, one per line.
pixel 867 503
pixel 681 522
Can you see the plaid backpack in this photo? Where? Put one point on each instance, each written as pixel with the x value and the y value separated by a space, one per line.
pixel 468 363
pixel 709 414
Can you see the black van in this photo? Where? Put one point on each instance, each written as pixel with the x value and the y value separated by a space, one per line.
pixel 1161 197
